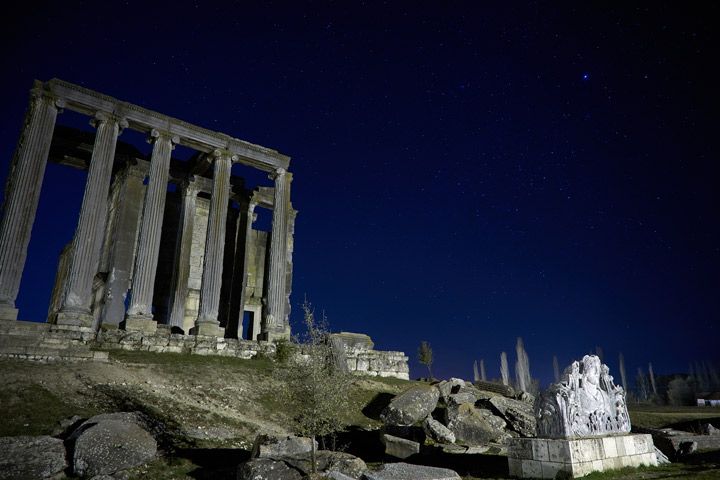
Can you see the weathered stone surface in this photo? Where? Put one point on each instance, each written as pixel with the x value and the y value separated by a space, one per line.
pixel 518 414
pixel 267 469
pixel 406 471
pixel 31 458
pixel 709 429
pixel 573 458
pixel 327 460
pixel 399 447
pixel 437 431
pixel 334 475
pixel 280 446
pixel 109 446
pixel 476 426
pixel 686 448
pixel 499 388
pixel 414 433
pixel 446 386
pixel 526 397
pixel 411 406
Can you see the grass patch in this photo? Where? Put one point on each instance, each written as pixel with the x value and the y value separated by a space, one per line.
pixel 263 364
pixel 659 416
pixel 34 410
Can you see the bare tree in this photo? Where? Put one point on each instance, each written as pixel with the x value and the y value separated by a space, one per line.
pixel 599 352
pixel 522 367
pixel 504 369
pixel 641 384
pixel 652 379
pixel 556 369
pixel 425 356
pixel 623 378
pixel 680 392
pixel 315 388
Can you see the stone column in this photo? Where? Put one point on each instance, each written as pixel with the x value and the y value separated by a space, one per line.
pixel 22 193
pixel 122 245
pixel 181 272
pixel 292 215
pixel 274 322
pixel 139 315
pixel 207 322
pixel 249 219
pixel 87 242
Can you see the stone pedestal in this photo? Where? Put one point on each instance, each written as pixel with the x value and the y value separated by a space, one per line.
pixel 208 329
pixel 544 458
pixel 272 336
pixel 137 323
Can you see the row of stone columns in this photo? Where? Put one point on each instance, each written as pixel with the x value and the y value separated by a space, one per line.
pixel 21 200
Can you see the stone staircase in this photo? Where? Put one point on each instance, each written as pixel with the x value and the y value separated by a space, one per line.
pixel 44 342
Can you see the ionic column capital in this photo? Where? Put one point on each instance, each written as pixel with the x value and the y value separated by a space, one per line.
pixel 102 117
pixel 156 134
pixel 280 172
pixel 219 153
pixel 39 94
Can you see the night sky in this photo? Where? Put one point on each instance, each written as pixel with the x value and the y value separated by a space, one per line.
pixel 465 174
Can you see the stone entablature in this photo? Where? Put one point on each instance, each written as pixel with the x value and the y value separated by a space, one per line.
pixel 120 248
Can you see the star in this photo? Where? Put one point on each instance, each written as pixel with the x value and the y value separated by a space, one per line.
pixel 586 76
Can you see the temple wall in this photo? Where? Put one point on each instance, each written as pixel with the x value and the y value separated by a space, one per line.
pixel 378 363
pixel 177 343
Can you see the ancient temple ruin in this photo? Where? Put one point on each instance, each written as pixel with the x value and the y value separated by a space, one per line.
pixel 160 243
pixel 166 256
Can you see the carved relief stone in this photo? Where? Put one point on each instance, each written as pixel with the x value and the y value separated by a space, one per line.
pixel 586 403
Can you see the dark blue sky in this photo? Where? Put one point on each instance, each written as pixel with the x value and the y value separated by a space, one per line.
pixel 465 174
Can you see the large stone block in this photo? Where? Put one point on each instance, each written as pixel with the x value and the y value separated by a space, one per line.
pixel 402 471
pixel 399 447
pixel 31 457
pixel 411 406
pixel 544 458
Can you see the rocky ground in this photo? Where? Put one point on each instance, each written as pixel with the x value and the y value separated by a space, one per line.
pixel 205 412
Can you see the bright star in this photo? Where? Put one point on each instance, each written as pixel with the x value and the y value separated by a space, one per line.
pixel 586 76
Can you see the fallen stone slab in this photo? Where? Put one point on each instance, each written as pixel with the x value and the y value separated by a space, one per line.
pixel 273 446
pixel 399 447
pixel 27 457
pixel 446 386
pixel 517 413
pixel 411 406
pixel 267 469
pixel 476 426
pixel 110 446
pixel 406 471
pixel 334 475
pixel 437 431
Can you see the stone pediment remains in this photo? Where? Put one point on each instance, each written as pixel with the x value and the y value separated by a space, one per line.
pixel 586 403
